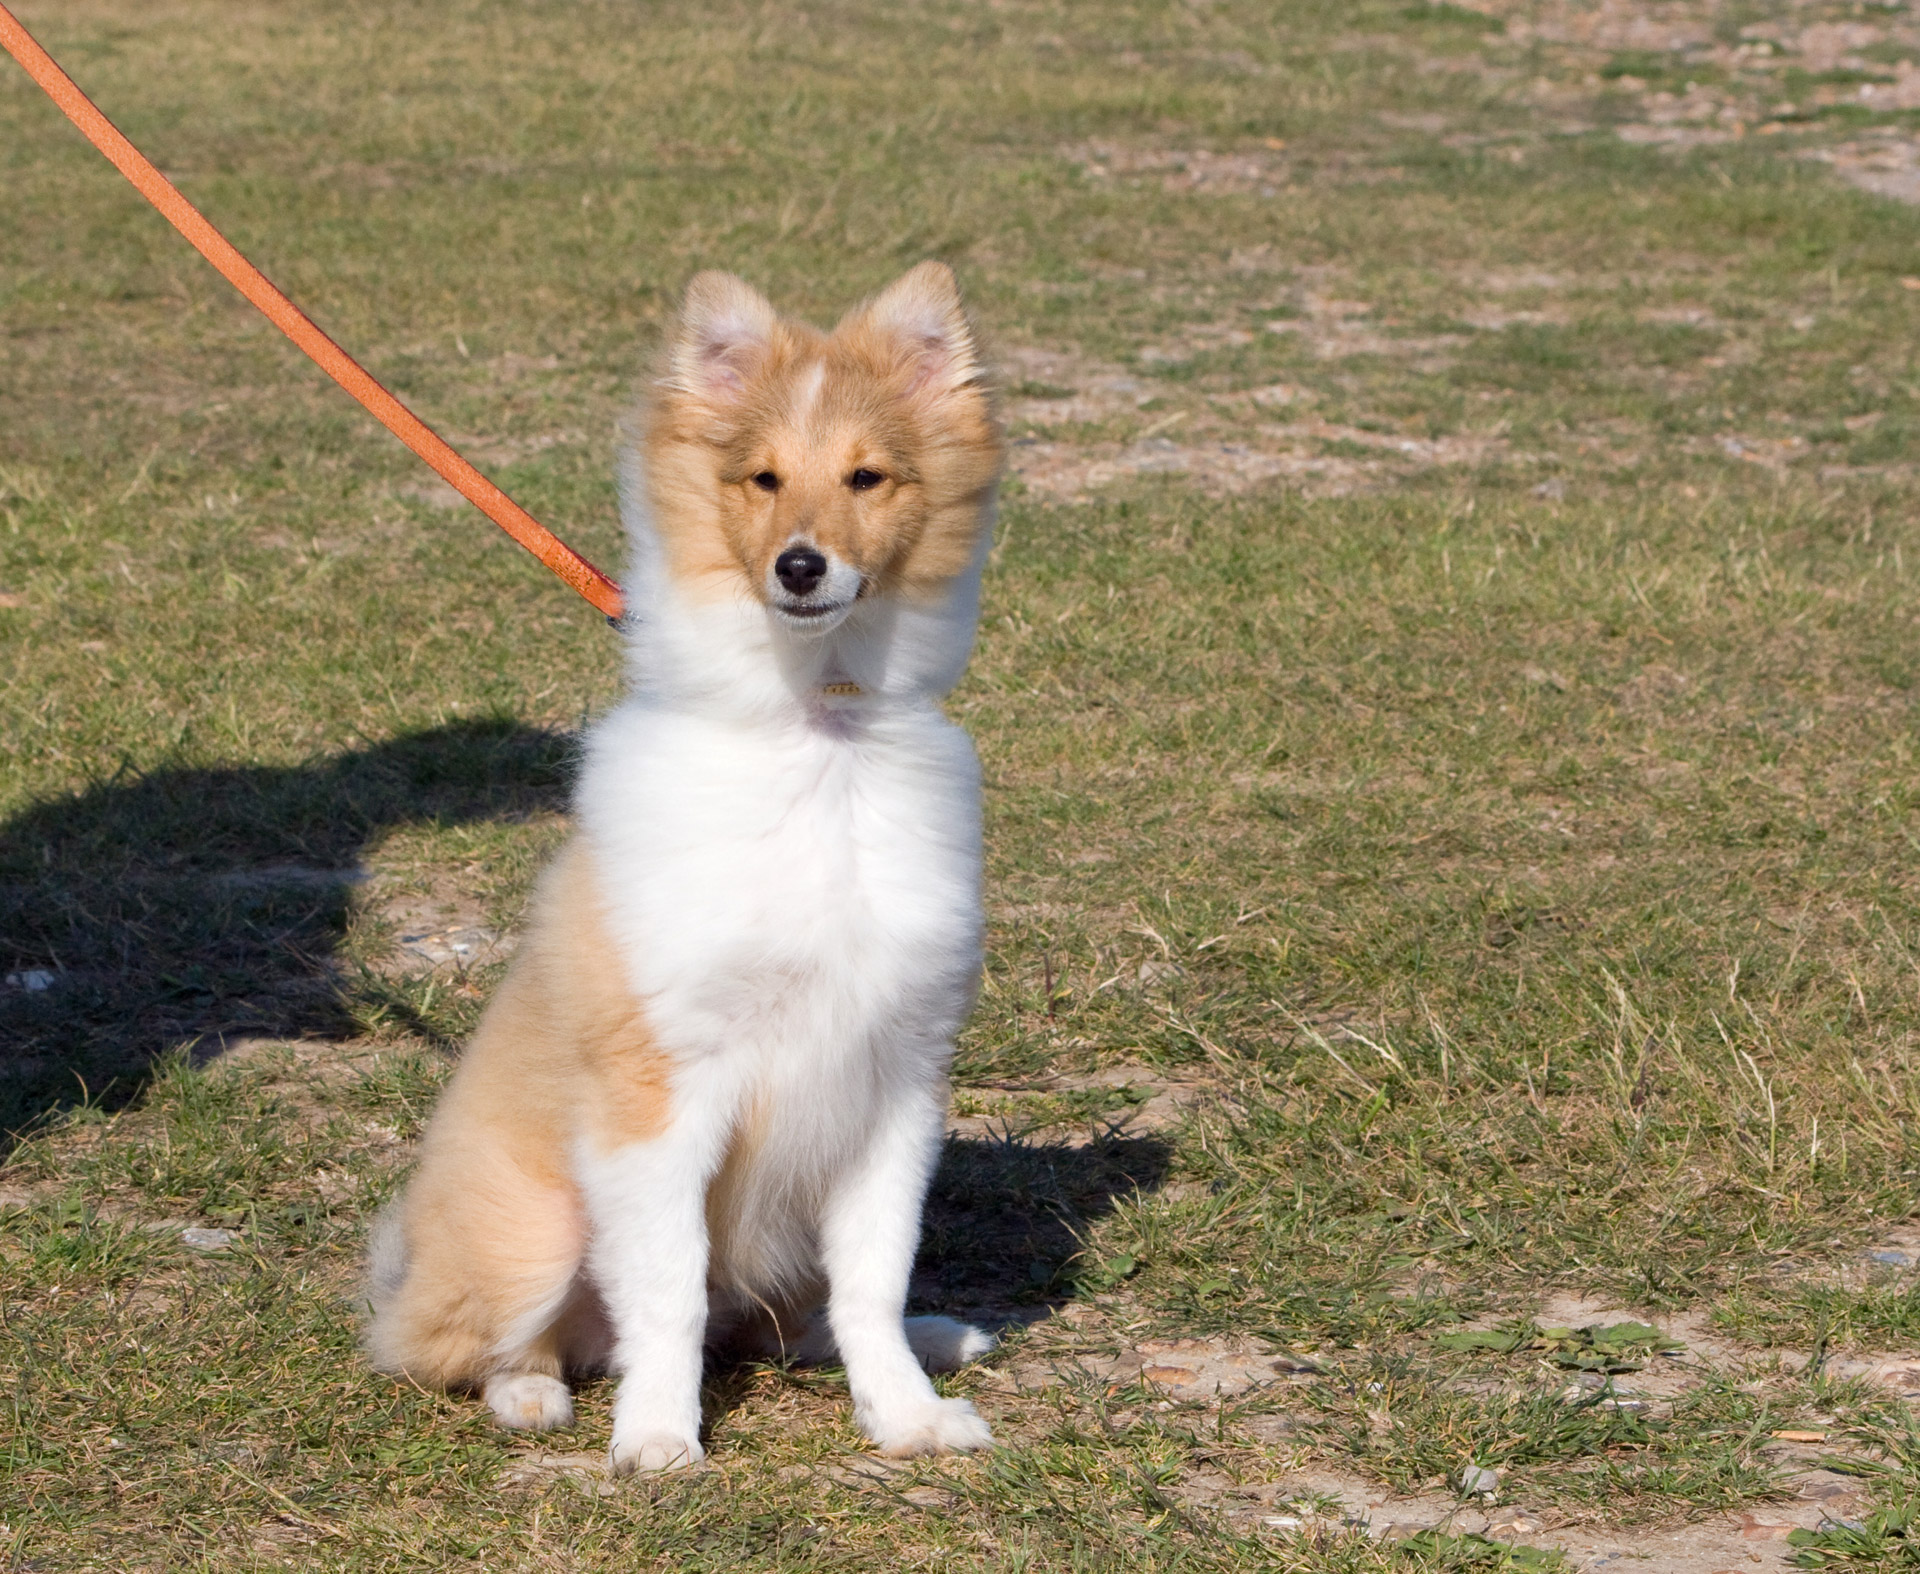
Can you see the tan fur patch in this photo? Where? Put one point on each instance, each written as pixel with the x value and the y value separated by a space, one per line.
pixel 895 389
pixel 495 1228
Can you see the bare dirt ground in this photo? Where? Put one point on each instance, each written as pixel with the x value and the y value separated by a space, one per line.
pixel 1812 82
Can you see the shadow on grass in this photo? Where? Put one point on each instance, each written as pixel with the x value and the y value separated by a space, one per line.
pixel 192 906
pixel 1005 1218
pixel 1003 1224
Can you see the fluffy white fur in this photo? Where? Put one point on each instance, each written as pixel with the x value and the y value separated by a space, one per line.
pixel 783 831
pixel 795 884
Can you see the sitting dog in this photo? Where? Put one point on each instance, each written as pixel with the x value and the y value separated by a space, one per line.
pixel 705 1104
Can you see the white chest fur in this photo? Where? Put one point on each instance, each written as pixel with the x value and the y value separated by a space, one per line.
pixel 798 906
pixel 791 891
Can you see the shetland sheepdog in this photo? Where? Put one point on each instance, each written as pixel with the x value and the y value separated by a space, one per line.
pixel 703 1108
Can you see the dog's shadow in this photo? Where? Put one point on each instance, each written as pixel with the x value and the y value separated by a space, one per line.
pixel 1006 1219
pixel 190 906
pixel 1004 1226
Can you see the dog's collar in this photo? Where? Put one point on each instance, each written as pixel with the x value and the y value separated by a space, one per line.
pixel 843 690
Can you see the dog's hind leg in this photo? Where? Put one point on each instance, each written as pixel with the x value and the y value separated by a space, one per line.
pixel 532 1394
pixel 940 1344
pixel 945 1344
pixel 481 1296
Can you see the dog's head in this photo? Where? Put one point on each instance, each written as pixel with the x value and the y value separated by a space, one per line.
pixel 811 470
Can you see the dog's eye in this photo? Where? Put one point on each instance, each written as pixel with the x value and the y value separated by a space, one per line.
pixel 865 480
pixel 767 481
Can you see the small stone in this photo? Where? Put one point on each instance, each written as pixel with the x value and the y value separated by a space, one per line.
pixel 462 947
pixel 239 1451
pixel 1479 1481
pixel 205 1240
pixel 1892 1259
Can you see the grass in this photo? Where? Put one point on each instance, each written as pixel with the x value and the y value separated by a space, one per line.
pixel 1591 1451
pixel 1882 1313
pixel 1446 693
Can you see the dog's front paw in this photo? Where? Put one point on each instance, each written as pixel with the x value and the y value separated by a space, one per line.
pixel 653 1453
pixel 938 1426
pixel 528 1402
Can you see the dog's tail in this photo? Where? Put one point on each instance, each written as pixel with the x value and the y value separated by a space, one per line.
pixel 386 1258
pixel 387 1262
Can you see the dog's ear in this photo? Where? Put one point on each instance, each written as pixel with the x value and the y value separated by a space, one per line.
pixel 725 327
pixel 918 319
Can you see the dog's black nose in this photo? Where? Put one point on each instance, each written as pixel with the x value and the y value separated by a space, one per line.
pixel 800 569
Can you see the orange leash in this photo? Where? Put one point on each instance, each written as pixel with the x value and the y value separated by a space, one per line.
pixel 297 326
